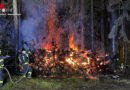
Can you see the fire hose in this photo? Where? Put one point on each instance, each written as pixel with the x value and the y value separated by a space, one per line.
pixel 15 82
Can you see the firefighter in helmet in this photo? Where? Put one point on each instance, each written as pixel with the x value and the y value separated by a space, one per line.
pixel 24 61
pixel 1 70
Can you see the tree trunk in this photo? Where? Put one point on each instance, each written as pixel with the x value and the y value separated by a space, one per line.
pixel 102 28
pixel 92 27
pixel 125 44
pixel 82 26
pixel 16 25
pixel 113 41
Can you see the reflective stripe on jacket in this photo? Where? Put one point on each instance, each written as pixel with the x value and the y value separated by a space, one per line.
pixel 1 63
pixel 23 59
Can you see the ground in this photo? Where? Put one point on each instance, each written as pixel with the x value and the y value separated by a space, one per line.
pixel 68 84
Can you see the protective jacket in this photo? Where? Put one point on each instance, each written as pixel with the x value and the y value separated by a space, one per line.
pixel 1 71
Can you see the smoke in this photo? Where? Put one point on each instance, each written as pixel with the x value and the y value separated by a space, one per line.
pixel 42 25
pixel 34 24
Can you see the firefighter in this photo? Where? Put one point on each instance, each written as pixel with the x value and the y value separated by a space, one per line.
pixel 28 53
pixel 1 71
pixel 24 61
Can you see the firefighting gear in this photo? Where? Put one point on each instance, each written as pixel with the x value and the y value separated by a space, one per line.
pixel 4 68
pixel 1 71
pixel 23 59
pixel 29 73
pixel 28 53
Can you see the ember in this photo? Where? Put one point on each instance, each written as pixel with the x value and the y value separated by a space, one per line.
pixel 67 62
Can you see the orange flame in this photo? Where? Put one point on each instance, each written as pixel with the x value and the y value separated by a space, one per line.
pixel 71 42
pixel 69 60
pixel 75 59
pixel 54 33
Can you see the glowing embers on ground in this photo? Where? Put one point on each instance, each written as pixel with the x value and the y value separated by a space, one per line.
pixel 70 61
pixel 73 60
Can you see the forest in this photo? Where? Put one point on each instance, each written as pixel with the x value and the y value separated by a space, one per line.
pixel 69 40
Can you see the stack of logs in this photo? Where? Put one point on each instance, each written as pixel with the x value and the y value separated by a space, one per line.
pixel 61 62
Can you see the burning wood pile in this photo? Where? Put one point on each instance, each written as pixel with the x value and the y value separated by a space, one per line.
pixel 68 62
pixel 62 44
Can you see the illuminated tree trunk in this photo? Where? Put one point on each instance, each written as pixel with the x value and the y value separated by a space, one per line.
pixel 16 25
pixel 113 40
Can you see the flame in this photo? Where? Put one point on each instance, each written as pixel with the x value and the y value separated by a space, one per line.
pixel 88 60
pixel 69 60
pixel 71 42
pixel 47 46
pixel 91 77
pixel 78 61
pixel 84 63
pixel 54 33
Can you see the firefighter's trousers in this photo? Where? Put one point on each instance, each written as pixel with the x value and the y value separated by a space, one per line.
pixel 1 77
pixel 29 72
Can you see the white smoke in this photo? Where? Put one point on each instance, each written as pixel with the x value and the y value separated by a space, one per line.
pixel 33 26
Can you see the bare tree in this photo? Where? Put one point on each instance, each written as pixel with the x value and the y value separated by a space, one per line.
pixel 120 21
pixel 16 25
pixel 119 29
